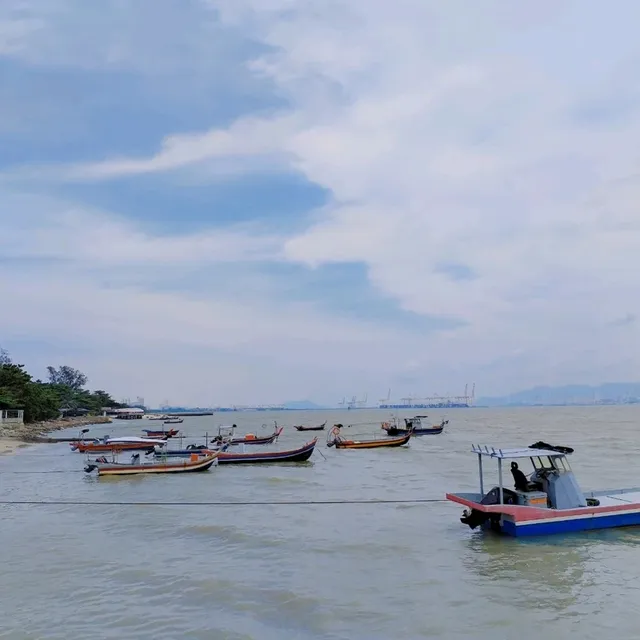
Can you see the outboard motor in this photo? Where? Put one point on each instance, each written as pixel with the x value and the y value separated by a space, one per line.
pixel 475 518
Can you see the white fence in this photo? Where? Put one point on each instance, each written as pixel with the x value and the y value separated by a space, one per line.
pixel 11 416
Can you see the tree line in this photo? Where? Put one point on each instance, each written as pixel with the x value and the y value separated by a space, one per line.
pixel 65 389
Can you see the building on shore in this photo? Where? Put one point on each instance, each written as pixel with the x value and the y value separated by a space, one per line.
pixel 126 413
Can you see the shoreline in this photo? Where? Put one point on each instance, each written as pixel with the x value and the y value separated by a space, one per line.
pixel 18 436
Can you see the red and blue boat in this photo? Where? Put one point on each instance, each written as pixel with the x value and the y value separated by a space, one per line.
pixel 548 501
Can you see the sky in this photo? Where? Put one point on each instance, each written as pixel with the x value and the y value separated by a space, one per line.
pixel 213 202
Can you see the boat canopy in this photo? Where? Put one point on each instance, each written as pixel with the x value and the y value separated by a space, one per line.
pixel 518 452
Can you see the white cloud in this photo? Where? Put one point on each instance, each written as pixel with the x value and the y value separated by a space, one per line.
pixel 47 228
pixel 97 282
pixel 254 141
pixel 453 133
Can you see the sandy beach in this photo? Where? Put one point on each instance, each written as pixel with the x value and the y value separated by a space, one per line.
pixel 13 437
pixel 9 445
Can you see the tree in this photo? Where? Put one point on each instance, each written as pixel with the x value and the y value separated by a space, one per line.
pixel 5 358
pixel 19 391
pixel 43 401
pixel 68 377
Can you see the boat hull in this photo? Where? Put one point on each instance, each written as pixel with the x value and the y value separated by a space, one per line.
pixel 585 523
pixel 300 428
pixel 117 447
pixel 266 457
pixel 267 440
pixel 393 431
pixel 372 444
pixel 152 433
pixel 522 521
pixel 203 463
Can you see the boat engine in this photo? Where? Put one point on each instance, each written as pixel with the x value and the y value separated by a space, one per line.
pixel 474 518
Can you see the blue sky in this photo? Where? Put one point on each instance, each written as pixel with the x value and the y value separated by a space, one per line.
pixel 233 201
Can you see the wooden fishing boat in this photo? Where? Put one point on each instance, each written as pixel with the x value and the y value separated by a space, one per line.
pixel 300 427
pixel 251 438
pixel 334 439
pixel 301 454
pixel 549 501
pixel 154 433
pixel 194 464
pixel 174 421
pixel 413 425
pixel 107 444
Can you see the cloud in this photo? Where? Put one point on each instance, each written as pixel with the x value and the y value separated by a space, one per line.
pixel 50 229
pixel 94 285
pixel 255 141
pixel 479 166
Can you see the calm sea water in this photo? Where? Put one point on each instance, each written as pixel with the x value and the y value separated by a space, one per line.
pixel 358 572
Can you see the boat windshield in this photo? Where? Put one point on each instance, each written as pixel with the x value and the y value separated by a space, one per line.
pixel 550 463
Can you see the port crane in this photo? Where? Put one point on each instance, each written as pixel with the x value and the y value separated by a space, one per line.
pixel 354 403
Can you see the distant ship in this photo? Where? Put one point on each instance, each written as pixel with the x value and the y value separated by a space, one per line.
pixel 424 405
pixel 463 401
pixel 269 407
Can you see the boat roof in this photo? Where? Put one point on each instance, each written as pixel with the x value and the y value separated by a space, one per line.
pixel 517 452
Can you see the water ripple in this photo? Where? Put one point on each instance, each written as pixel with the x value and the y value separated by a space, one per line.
pixel 360 572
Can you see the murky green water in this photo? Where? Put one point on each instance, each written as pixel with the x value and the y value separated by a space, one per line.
pixel 358 572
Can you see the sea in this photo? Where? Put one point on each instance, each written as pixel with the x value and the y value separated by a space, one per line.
pixel 183 568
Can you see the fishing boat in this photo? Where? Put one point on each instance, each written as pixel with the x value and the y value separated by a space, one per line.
pixel 194 464
pixel 301 454
pixel 116 444
pixel 549 501
pixel 335 439
pixel 154 433
pixel 413 425
pixel 251 438
pixel 162 417
pixel 174 421
pixel 300 427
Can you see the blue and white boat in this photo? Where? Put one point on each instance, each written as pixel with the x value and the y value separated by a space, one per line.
pixel 548 501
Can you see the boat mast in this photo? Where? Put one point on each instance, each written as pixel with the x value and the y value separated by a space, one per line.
pixel 500 480
pixel 481 478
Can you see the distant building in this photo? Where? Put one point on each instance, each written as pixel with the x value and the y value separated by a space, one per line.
pixel 127 413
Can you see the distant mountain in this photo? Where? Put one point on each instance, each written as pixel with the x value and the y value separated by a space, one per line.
pixel 608 393
pixel 302 405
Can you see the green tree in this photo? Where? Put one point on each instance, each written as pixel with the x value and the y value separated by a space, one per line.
pixel 19 391
pixel 43 401
pixel 67 376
